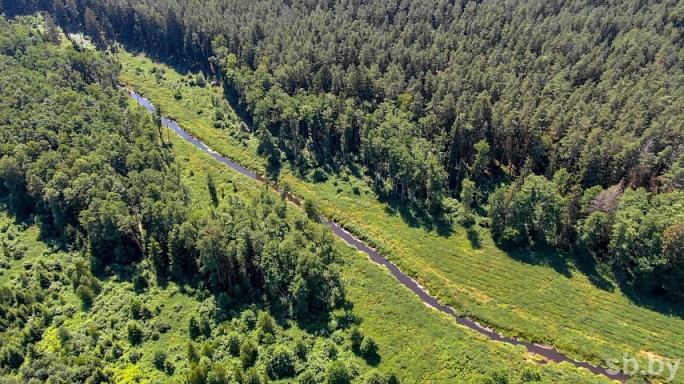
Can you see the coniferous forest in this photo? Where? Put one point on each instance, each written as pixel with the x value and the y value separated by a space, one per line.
pixel 433 96
pixel 554 125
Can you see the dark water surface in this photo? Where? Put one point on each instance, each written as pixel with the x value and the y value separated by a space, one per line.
pixel 546 352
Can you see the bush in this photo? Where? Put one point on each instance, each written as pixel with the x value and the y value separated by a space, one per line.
pixel 207 350
pixel 280 363
pixel 247 320
pixel 234 344
pixel 337 373
pixel 392 378
pixel 355 338
pixel 301 349
pixel 218 375
pixel 248 354
pixel 530 374
pixel 205 327
pixel 159 360
pixel 311 210
pixel 11 357
pixel 194 328
pixel 193 354
pixel 374 377
pixel 86 295
pixel 266 323
pixel 135 356
pixel 307 377
pixel 135 332
pixel 251 377
pixel 369 348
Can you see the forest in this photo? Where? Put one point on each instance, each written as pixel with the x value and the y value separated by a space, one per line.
pixel 98 180
pixel 490 107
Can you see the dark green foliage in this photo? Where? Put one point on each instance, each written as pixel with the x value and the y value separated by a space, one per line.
pixel 248 353
pixel 162 363
pixel 212 190
pixel 197 375
pixel 193 354
pixel 529 375
pixel 135 332
pixel 307 377
pixel 311 210
pixel 355 338
pixel 234 344
pixel 11 357
pixel 423 98
pixel 280 363
pixel 194 328
pixel 497 377
pixel 86 295
pixel 369 349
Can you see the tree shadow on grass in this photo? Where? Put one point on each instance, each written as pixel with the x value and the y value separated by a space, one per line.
pixel 418 217
pixel 473 237
pixel 538 255
pixel 655 301
pixel 586 265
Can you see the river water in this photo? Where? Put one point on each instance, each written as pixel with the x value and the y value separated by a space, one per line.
pixel 546 352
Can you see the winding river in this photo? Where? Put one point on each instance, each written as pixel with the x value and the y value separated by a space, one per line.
pixel 546 352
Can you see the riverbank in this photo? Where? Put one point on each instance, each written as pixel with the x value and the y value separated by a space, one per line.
pixel 536 295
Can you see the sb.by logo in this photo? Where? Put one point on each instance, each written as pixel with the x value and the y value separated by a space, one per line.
pixel 656 366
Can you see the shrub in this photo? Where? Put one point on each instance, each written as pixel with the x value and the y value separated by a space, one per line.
pixel 205 327
pixel 159 360
pixel 266 323
pixel 135 356
pixel 280 363
pixel 135 332
pixel 307 377
pixel 251 377
pixel 355 338
pixel 374 377
pixel 369 348
pixel 218 375
pixel 311 210
pixel 301 349
pixel 248 353
pixel 63 335
pixel 392 378
pixel 194 328
pixel 247 320
pixel 86 295
pixel 234 344
pixel 337 373
pixel 11 357
pixel 207 350
pixel 193 354
pixel 529 374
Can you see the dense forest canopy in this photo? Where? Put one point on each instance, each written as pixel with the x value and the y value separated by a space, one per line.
pixel 98 177
pixel 594 88
pixel 448 99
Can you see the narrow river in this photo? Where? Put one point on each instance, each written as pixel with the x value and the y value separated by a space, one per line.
pixel 546 352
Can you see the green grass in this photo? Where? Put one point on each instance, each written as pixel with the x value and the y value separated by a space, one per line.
pixel 537 296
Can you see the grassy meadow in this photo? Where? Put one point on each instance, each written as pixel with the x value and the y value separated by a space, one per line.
pixel 537 295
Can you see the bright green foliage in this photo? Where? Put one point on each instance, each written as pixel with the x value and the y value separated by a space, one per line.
pixel 337 373
pixel 527 211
